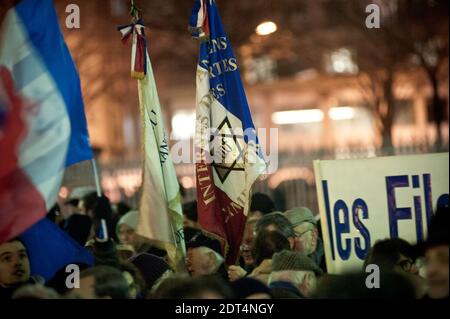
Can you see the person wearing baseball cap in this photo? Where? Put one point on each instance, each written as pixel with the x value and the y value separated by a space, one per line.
pixel 307 235
pixel 204 257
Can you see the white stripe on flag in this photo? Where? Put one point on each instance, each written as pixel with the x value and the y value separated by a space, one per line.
pixel 43 151
pixel 236 184
pixel 200 16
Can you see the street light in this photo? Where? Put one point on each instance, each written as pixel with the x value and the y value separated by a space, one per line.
pixel 266 28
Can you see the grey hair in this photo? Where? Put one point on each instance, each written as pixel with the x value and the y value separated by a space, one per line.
pixel 217 257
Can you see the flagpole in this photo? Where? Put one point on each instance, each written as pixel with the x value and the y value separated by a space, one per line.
pixel 96 178
pixel 135 32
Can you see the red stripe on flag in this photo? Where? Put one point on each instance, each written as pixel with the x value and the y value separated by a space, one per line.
pixel 139 62
pixel 205 21
pixel 218 214
pixel 21 204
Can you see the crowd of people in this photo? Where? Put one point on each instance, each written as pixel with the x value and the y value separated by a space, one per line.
pixel 282 256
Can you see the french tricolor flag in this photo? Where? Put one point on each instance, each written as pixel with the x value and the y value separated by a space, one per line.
pixel 42 122
pixel 227 151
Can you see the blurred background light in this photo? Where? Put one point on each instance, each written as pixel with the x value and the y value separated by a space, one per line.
pixel 341 113
pixel 266 28
pixel 298 116
pixel 183 124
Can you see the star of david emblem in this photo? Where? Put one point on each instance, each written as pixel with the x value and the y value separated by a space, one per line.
pixel 227 150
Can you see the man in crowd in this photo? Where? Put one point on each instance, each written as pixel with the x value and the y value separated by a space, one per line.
pixel 247 261
pixel 204 257
pixel 293 274
pixel 14 267
pixel 152 268
pixel 393 254
pixel 307 235
pixel 102 282
pixel 397 255
pixel 275 221
pixel 266 244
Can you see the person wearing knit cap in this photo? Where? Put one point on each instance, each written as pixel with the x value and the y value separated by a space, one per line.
pixel 204 257
pixel 151 267
pixel 126 228
pixel 250 288
pixel 296 269
pixel 126 232
pixel 307 239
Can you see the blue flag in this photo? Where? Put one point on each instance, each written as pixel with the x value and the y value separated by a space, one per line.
pixel 49 249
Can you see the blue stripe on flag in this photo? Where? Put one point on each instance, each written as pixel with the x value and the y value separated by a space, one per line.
pixel 194 16
pixel 41 23
pixel 49 249
pixel 234 100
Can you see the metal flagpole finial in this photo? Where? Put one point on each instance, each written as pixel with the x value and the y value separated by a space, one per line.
pixel 134 11
pixel 135 32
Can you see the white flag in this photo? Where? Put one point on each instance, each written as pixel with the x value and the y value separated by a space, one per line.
pixel 161 217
